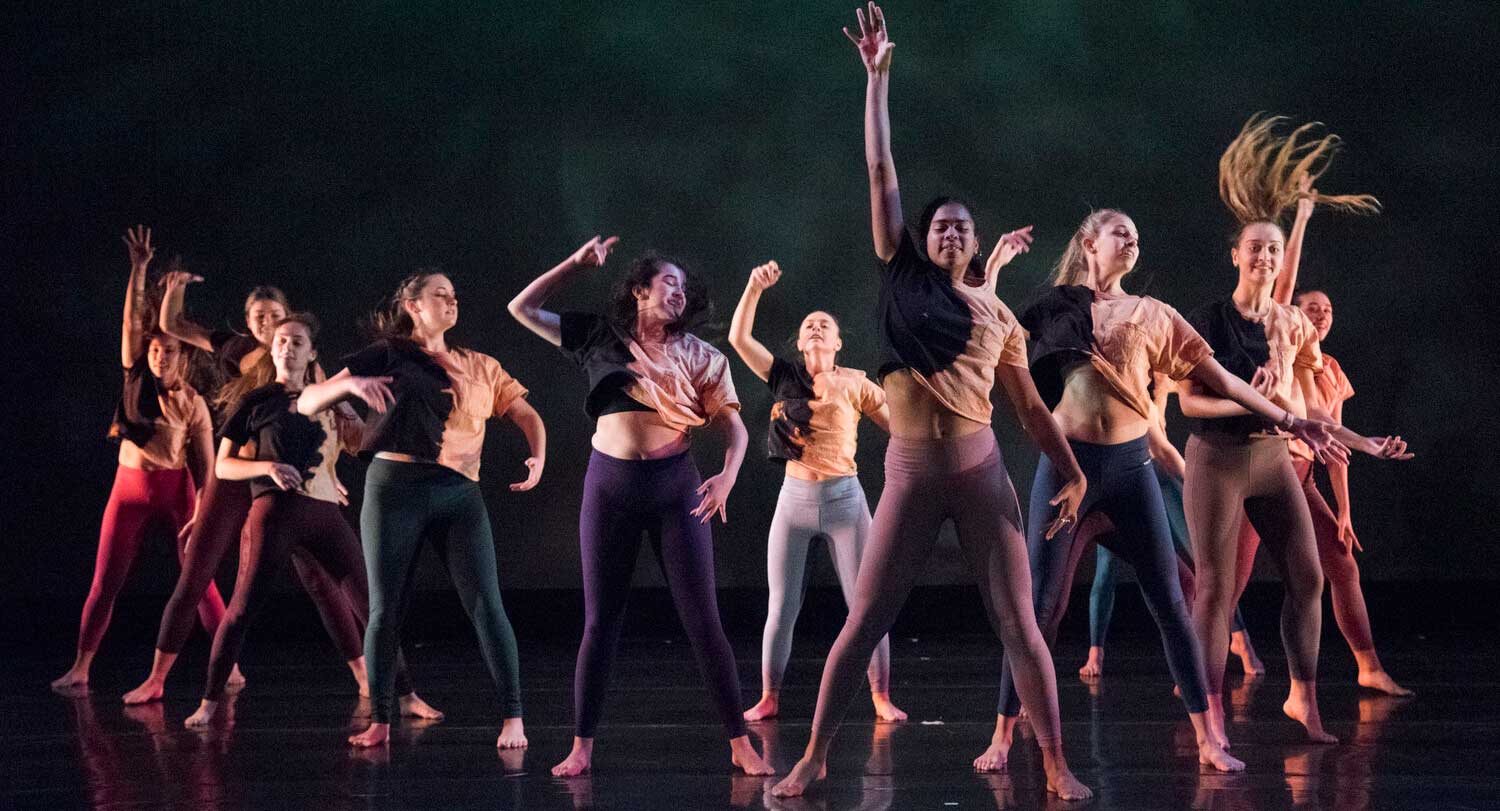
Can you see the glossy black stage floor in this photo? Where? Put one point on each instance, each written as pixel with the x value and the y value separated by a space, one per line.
pixel 1126 735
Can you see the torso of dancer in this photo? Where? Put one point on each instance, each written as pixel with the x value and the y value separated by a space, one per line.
pixel 166 445
pixel 425 478
pixel 945 341
pixel 1170 469
pixel 288 460
pixel 223 506
pixel 1238 465
pixel 1095 349
pixel 651 382
pixel 814 434
pixel 1334 529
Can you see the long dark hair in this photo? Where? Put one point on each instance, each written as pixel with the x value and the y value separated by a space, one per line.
pixel 391 321
pixel 975 272
pixel 622 303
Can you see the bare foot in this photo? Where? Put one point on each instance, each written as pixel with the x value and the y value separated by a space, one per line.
pixel 578 761
pixel 412 706
pixel 994 759
pixel 1382 681
pixel 768 707
pixel 374 735
pixel 1304 712
pixel 1094 667
pixel 799 778
pixel 1239 645
pixel 149 691
pixel 743 755
pixel 74 680
pixel 236 679
pixel 1211 754
pixel 885 710
pixel 204 716
pixel 1060 781
pixel 512 734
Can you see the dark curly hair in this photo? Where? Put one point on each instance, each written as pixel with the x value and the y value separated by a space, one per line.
pixel 622 302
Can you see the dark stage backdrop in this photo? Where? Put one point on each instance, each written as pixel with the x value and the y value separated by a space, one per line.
pixel 331 153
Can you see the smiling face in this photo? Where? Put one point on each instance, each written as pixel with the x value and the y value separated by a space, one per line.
pixel 164 359
pixel 951 242
pixel 434 308
pixel 1258 253
pixel 819 332
pixel 292 350
pixel 261 316
pixel 666 295
pixel 1115 248
pixel 1318 309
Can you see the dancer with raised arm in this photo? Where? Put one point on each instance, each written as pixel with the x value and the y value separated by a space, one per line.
pixel 166 444
pixel 814 435
pixel 423 484
pixel 945 341
pixel 1238 464
pixel 288 459
pixel 1095 349
pixel 244 364
pixel 651 383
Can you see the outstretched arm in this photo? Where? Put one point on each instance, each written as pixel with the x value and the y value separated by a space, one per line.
pixel 1210 375
pixel 1038 423
pixel 375 391
pixel 753 352
pixel 525 417
pixel 132 331
pixel 526 307
pixel 171 320
pixel 1286 283
pixel 885 199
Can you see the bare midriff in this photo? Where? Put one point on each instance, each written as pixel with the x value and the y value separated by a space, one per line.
pixel 1090 411
pixel 392 456
pixel 637 435
pixel 917 414
pixel 799 471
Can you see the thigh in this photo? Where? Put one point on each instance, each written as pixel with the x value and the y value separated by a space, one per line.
pixel 1280 515
pixel 845 521
pixel 609 539
pixel 1213 498
pixel 792 531
pixel 902 535
pixel 1143 536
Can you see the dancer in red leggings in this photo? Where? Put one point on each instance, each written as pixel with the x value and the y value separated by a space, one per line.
pixel 163 428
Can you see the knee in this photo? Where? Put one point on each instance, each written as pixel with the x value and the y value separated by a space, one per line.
pixel 1306 583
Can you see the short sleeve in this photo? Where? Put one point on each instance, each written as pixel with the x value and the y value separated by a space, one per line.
pixel 781 372
pixel 198 418
pixel 715 385
pixel 580 334
pixel 374 359
pixel 1013 345
pixel 505 389
pixel 1181 348
pixel 871 396
pixel 1309 354
pixel 220 338
pixel 906 257
pixel 236 427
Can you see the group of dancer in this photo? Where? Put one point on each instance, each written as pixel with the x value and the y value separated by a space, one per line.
pixel 1090 391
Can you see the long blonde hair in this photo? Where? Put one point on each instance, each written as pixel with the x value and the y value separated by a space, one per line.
pixel 1073 266
pixel 1259 171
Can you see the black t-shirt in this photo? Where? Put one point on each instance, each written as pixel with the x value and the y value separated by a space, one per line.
pixel 924 323
pixel 414 423
pixel 592 343
pixel 1240 347
pixel 138 409
pixel 229 349
pixel 791 413
pixel 268 417
pixel 1061 327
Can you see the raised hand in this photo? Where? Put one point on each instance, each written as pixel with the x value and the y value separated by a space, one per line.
pixel 594 252
pixel 534 466
pixel 138 241
pixel 1066 501
pixel 374 391
pixel 1307 197
pixel 715 492
pixel 765 276
pixel 172 280
pixel 284 476
pixel 1009 247
pixel 873 42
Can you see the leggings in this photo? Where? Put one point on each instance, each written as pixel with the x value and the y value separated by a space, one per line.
pixel 833 509
pixel 279 523
pixel 621 500
pixel 926 483
pixel 407 503
pixel 138 498
pixel 1339 567
pixel 1107 567
pixel 222 509
pixel 1122 510
pixel 1229 480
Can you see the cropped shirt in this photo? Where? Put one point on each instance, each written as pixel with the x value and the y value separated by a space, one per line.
pixel 154 425
pixel 1127 339
pixel 950 337
pixel 268 417
pixel 684 379
pixel 815 418
pixel 1283 341
pixel 442 402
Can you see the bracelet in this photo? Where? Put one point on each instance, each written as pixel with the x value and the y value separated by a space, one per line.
pixel 1289 423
